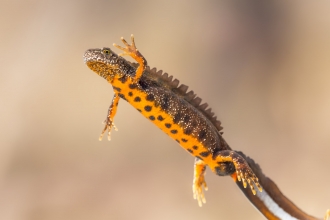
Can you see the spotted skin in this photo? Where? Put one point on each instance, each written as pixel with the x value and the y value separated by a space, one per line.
pixel 175 112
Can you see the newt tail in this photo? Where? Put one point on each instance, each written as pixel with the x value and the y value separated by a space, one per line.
pixel 271 202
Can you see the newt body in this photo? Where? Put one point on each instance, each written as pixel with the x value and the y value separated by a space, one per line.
pixel 180 115
pixel 174 110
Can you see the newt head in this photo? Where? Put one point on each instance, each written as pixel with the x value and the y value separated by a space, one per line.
pixel 106 63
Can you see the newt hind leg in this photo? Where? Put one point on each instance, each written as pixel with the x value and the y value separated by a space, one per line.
pixel 132 51
pixel 199 182
pixel 327 215
pixel 243 171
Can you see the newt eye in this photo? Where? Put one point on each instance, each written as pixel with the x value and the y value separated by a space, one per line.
pixel 106 51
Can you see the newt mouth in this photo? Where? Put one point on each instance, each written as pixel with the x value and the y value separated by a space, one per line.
pixel 91 55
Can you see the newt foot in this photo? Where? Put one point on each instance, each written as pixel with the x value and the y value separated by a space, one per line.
pixel 246 175
pixel 132 51
pixel 198 192
pixel 129 50
pixel 108 126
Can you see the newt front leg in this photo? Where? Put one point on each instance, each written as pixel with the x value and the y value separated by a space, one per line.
pixel 109 120
pixel 132 51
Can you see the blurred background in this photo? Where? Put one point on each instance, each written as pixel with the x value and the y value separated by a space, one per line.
pixel 263 67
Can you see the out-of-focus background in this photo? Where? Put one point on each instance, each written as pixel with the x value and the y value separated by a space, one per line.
pixel 263 67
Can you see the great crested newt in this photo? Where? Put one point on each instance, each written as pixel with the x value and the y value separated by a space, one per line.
pixel 180 114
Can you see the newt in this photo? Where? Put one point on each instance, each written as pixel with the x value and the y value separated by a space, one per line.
pixel 179 114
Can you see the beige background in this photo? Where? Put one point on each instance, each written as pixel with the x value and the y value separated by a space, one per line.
pixel 263 66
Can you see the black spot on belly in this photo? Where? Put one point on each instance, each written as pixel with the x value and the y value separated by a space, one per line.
pixel 174 131
pixel 123 79
pixel 147 108
pixel 139 110
pixel 190 150
pixel 160 118
pixel 201 135
pixel 150 97
pixel 195 147
pixel 184 140
pixel 152 118
pixel 168 125
pixel 130 94
pixel 205 154
pixel 132 86
pixel 199 158
pixel 137 99
pixel 122 96
pixel 117 88
pixel 177 141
